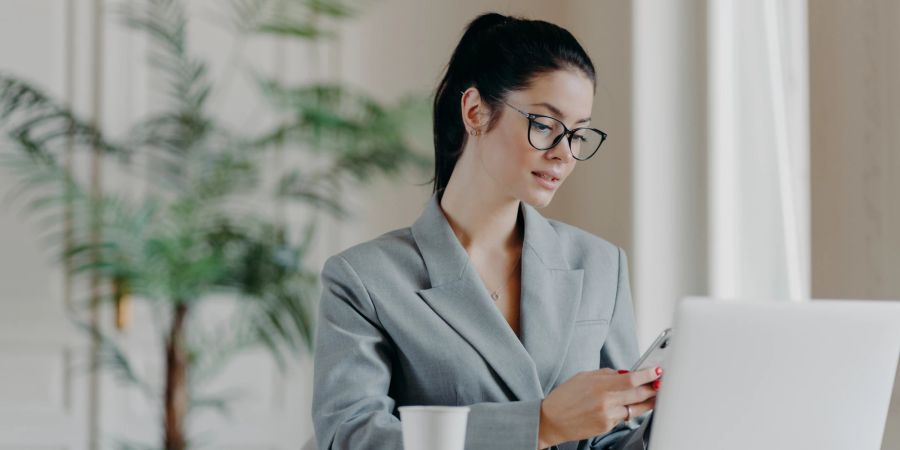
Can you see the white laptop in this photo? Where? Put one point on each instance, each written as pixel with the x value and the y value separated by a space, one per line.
pixel 778 375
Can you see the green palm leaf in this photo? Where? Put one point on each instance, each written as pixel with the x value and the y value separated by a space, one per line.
pixel 198 235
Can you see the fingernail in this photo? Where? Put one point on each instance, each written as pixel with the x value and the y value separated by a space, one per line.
pixel 656 385
pixel 623 371
pixel 659 370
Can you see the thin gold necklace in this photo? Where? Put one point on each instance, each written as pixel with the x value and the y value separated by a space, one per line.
pixel 496 293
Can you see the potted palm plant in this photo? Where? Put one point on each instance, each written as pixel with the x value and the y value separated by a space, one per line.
pixel 197 233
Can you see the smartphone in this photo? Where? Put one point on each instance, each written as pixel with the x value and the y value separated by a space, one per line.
pixel 656 354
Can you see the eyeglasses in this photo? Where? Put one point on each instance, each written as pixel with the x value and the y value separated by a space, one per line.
pixel 544 132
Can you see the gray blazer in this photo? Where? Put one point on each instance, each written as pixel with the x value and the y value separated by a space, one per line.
pixel 404 319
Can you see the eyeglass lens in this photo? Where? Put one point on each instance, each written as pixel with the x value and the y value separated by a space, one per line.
pixel 544 132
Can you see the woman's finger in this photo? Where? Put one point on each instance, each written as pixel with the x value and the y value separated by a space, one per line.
pixel 634 379
pixel 637 395
pixel 638 409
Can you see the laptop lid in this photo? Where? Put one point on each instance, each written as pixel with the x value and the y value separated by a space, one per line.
pixel 778 375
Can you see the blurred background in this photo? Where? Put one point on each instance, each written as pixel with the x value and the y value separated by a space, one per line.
pixel 175 172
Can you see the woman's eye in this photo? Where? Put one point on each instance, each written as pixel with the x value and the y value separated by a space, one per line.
pixel 580 138
pixel 539 126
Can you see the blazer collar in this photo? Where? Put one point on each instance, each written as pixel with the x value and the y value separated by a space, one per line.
pixel 550 295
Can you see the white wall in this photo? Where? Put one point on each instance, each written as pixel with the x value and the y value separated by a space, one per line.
pixel 669 175
pixel 44 400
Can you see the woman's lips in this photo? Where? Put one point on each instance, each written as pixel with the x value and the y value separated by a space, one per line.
pixel 550 182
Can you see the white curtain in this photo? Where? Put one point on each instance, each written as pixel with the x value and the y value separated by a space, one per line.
pixel 758 149
pixel 721 157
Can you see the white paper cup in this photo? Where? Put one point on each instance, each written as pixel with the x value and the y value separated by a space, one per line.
pixel 434 427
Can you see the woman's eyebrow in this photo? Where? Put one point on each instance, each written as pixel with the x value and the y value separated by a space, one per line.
pixel 556 111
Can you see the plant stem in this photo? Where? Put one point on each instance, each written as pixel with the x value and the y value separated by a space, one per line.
pixel 176 399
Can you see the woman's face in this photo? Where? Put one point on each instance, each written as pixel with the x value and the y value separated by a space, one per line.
pixel 505 153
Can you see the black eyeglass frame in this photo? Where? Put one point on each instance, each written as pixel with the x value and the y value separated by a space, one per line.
pixel 566 132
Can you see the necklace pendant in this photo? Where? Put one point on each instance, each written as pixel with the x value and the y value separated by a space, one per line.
pixel 495 295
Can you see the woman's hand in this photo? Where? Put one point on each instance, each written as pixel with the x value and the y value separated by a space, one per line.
pixel 593 402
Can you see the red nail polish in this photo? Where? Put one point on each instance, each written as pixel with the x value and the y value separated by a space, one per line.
pixel 659 370
pixel 623 371
pixel 656 385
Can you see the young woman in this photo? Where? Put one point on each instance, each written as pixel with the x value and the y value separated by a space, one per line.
pixel 483 302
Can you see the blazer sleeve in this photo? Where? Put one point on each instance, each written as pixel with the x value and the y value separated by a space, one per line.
pixel 351 408
pixel 622 355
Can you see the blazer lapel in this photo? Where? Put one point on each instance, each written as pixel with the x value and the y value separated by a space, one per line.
pixel 460 298
pixel 549 300
pixel 551 294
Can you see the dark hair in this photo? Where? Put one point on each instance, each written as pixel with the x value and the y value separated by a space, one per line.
pixel 496 54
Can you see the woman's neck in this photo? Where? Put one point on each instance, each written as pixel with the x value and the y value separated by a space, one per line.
pixel 484 224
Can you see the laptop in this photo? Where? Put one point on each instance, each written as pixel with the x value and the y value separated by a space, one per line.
pixel 777 375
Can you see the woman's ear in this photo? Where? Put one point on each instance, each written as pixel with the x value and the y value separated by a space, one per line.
pixel 474 111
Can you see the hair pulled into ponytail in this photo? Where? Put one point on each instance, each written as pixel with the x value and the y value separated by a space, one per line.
pixel 497 54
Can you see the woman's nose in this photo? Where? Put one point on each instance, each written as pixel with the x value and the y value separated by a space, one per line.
pixel 562 150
